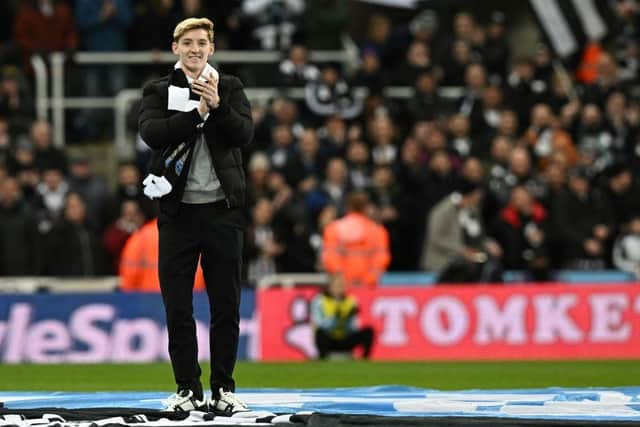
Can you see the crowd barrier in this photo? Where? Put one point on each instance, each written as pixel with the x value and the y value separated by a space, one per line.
pixel 427 278
pixel 479 322
pixel 527 321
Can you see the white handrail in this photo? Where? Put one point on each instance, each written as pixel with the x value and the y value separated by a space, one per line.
pixel 35 284
pixel 58 102
pixel 42 90
pixel 290 280
pixel 229 57
pixel 121 108
pixel 57 78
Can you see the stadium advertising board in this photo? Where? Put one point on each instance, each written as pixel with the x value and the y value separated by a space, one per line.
pixel 97 328
pixel 469 322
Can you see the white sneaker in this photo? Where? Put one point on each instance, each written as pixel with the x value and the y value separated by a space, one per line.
pixel 183 401
pixel 228 404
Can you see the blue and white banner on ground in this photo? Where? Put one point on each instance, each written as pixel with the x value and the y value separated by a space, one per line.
pixel 592 404
pixel 99 328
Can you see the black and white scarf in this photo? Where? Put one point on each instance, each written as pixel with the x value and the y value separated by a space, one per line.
pixel 181 98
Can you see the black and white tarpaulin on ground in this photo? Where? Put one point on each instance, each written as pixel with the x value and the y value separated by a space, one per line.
pixel 385 405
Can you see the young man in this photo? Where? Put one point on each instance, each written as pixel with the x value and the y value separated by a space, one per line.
pixel 196 122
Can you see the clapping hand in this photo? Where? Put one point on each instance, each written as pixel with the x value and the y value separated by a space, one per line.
pixel 208 91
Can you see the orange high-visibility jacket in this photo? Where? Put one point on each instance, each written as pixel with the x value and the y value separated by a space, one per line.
pixel 560 141
pixel 587 71
pixel 358 248
pixel 139 262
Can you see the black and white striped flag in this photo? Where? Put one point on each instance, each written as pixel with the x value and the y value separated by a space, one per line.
pixel 569 24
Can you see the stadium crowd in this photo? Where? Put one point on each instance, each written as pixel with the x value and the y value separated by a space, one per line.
pixel 530 164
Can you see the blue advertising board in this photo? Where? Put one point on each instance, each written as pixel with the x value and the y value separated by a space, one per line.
pixel 104 328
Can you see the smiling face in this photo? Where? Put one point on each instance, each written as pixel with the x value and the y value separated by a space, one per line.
pixel 193 49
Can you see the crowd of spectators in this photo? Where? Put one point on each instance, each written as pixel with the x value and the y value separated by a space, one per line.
pixel 529 165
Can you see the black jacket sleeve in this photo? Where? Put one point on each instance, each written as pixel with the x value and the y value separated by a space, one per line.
pixel 157 128
pixel 232 118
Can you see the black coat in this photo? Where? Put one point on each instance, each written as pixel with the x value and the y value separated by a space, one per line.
pixel 227 130
pixel 573 220
pixel 18 241
pixel 72 250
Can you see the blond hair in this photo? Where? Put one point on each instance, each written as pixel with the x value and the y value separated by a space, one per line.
pixel 193 24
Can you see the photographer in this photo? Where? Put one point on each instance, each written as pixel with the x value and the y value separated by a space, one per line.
pixel 333 316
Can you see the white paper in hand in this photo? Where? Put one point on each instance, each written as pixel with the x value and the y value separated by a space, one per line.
pixel 156 186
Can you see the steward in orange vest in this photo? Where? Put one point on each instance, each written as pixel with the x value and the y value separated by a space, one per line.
pixel 139 262
pixel 356 246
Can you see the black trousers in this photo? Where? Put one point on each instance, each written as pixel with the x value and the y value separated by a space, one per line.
pixel 325 343
pixel 213 233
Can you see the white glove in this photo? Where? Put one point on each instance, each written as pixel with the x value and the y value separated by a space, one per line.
pixel 156 186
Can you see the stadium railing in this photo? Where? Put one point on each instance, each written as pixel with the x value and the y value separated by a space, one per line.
pixel 425 278
pixel 45 284
pixel 58 102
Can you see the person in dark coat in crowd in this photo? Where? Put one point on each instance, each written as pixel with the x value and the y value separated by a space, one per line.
pixel 622 126
pixel 622 193
pixel 92 188
pixel 18 232
pixel 293 228
pixel 521 231
pixel 371 74
pixel 524 90
pixel 16 99
pixel 582 223
pixel 413 206
pixel 442 180
pixel 261 247
pixel 417 61
pixel 46 155
pixel 496 51
pixel 72 248
pixel 426 103
pixel 306 165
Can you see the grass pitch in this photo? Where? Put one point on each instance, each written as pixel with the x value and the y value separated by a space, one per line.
pixel 435 375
